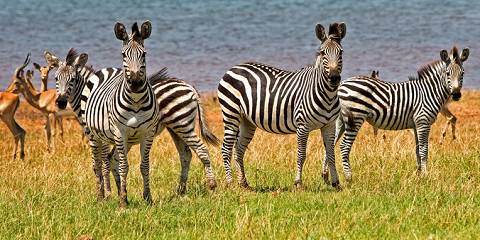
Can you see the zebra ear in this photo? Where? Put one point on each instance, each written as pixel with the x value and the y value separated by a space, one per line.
pixel 465 53
pixel 337 31
pixel 320 31
pixel 342 30
pixel 51 59
pixel 81 60
pixel 146 29
pixel 444 56
pixel 120 32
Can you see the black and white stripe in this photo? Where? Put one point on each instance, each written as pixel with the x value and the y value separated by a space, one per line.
pixel 120 109
pixel 412 104
pixel 254 95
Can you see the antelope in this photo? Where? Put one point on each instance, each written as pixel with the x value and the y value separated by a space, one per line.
pixel 43 101
pixel 9 102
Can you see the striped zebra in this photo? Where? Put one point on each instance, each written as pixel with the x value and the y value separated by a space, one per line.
pixel 413 104
pixel 120 109
pixel 255 95
pixel 179 104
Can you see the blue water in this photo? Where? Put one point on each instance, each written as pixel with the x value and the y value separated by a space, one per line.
pixel 199 40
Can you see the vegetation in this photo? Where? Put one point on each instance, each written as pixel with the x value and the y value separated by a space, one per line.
pixel 52 195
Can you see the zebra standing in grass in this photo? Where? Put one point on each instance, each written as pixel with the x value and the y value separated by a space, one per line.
pixel 254 95
pixel 120 109
pixel 179 105
pixel 396 106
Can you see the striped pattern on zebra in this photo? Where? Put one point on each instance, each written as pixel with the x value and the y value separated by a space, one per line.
pixel 413 104
pixel 120 109
pixel 179 105
pixel 255 95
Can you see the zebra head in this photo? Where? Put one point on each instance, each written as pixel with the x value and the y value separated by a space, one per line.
pixel 133 54
pixel 454 70
pixel 66 74
pixel 329 55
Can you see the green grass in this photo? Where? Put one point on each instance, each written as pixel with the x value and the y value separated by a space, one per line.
pixel 52 195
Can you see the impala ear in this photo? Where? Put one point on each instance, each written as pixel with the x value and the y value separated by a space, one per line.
pixel 320 32
pixel 81 60
pixel 146 29
pixel 37 66
pixel 120 31
pixel 51 59
pixel 444 56
pixel 465 53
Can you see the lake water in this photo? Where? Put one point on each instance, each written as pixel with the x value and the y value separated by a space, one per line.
pixel 199 40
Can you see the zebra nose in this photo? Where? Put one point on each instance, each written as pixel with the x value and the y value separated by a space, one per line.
pixel 456 96
pixel 61 102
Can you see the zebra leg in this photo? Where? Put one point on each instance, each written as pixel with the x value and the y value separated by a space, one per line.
pixel 202 152
pixel 417 149
pixel 423 132
pixel 106 170
pixel 339 130
pixel 351 131
pixel 302 139
pixel 246 133
pixel 328 135
pixel 122 148
pixel 145 147
pixel 229 139
pixel 113 158
pixel 97 152
pixel 185 155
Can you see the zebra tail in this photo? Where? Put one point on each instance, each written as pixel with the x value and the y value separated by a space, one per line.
pixel 207 135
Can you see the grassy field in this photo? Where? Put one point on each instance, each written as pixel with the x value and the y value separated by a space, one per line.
pixel 52 195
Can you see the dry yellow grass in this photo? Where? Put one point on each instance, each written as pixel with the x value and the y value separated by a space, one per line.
pixel 51 195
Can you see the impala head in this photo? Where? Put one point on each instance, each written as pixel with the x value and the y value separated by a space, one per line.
pixel 329 55
pixel 66 74
pixel 44 70
pixel 19 75
pixel 133 54
pixel 454 70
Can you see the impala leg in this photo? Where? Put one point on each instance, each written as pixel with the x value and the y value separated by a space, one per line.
pixel 48 133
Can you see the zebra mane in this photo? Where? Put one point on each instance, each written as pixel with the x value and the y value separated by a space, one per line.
pixel 159 76
pixel 71 56
pixel 425 69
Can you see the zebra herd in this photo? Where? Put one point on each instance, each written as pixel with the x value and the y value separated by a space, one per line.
pixel 121 107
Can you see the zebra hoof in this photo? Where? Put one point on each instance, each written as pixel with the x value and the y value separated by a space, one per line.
pixel 212 184
pixel 337 186
pixel 244 185
pixel 325 177
pixel 181 189
pixel 348 178
pixel 298 185
pixel 123 203
pixel 148 198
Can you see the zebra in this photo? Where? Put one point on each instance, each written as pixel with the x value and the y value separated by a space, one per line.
pixel 413 104
pixel 451 119
pixel 254 95
pixel 120 109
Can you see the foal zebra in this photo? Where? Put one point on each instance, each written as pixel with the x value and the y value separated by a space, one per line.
pixel 120 109
pixel 396 106
pixel 255 95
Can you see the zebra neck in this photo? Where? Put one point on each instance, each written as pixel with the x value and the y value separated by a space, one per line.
pixel 435 85
pixel 136 98
pixel 75 97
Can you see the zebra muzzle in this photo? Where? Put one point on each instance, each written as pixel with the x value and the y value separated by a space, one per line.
pixel 61 102
pixel 456 96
